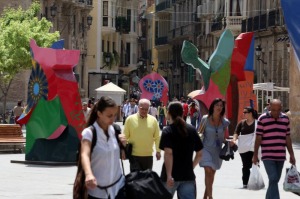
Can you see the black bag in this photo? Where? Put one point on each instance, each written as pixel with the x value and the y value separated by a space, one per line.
pixel 227 152
pixel 145 185
pixel 128 151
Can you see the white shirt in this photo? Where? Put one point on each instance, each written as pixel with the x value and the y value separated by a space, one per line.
pixel 105 161
pixel 86 113
pixel 153 111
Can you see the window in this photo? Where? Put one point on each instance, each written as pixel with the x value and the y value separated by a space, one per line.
pixel 129 18
pixel 105 13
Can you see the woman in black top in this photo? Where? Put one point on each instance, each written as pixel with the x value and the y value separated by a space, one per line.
pixel 245 134
pixel 179 140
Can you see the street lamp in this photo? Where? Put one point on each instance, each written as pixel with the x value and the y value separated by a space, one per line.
pixel 53 10
pixel 258 51
pixel 106 59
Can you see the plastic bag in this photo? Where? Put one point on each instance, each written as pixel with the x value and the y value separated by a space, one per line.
pixel 256 181
pixel 292 180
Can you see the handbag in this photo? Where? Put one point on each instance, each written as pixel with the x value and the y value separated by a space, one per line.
pixel 246 142
pixel 145 185
pixel 256 181
pixel 292 180
pixel 128 151
pixel 226 152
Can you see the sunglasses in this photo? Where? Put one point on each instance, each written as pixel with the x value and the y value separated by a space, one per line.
pixel 245 112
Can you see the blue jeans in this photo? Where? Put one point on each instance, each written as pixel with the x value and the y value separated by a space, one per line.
pixel 274 170
pixel 185 189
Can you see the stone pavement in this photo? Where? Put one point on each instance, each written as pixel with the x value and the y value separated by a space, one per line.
pixel 22 181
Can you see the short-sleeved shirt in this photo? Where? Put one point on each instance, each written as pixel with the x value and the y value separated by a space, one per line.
pixel 244 129
pixel 105 162
pixel 183 149
pixel 273 132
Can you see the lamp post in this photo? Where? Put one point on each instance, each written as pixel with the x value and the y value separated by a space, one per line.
pixel 258 51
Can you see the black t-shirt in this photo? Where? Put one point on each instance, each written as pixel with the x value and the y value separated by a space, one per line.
pixel 183 149
pixel 243 128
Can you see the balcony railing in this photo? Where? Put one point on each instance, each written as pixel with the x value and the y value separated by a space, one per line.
pixel 167 4
pixel 234 23
pixel 188 29
pixel 206 9
pixel 262 22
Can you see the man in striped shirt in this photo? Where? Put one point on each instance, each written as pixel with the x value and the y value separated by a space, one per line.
pixel 273 135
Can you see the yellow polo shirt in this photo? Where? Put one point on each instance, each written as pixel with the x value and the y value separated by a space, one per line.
pixel 142 133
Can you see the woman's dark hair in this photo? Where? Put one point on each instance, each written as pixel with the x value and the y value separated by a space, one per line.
pixel 103 103
pixel 211 108
pixel 252 111
pixel 176 111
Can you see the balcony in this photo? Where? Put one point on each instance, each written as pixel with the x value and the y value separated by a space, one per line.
pixel 161 41
pixel 188 29
pixel 206 10
pixel 164 6
pixel 262 22
pixel 217 27
pixel 234 23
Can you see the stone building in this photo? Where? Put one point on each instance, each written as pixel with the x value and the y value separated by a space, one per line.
pixel 112 46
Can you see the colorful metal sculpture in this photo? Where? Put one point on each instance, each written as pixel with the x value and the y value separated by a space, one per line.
pixel 154 87
pixel 53 116
pixel 228 74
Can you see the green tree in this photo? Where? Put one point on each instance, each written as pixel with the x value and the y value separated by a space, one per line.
pixel 17 27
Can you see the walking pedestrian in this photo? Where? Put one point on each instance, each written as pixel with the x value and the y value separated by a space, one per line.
pixel 102 167
pixel 273 135
pixel 17 111
pixel 214 135
pixel 245 134
pixel 180 140
pixel 193 112
pixel 162 112
pixel 142 131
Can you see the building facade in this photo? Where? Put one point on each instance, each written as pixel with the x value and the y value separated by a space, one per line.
pixel 112 54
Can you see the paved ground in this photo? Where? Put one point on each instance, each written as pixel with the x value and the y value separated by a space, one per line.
pixel 21 181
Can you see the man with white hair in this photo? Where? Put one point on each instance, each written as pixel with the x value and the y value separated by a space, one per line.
pixel 142 131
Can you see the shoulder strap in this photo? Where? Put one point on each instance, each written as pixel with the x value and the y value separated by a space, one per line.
pixel 94 139
pixel 117 132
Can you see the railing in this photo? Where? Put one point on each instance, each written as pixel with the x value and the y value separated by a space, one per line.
pixel 261 22
pixel 163 5
pixel 188 29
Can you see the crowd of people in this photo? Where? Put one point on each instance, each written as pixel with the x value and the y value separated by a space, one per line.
pixel 180 141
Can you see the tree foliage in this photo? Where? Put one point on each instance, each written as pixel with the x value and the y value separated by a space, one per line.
pixel 17 27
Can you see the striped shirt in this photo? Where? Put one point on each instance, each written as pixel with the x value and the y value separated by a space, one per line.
pixel 273 132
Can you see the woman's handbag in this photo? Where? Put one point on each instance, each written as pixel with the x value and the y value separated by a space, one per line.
pixel 145 185
pixel 256 181
pixel 292 180
pixel 246 142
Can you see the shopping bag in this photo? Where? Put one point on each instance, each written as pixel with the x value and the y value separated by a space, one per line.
pixel 256 181
pixel 145 185
pixel 292 180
